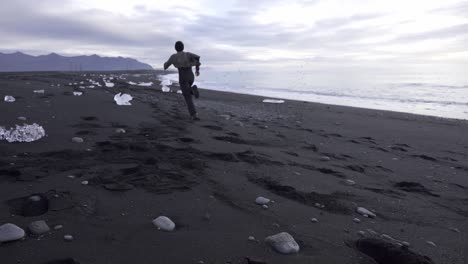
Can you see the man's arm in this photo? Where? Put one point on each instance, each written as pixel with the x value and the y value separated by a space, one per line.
pixel 168 63
pixel 196 60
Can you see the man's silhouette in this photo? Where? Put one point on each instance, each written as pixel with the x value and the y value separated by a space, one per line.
pixel 184 61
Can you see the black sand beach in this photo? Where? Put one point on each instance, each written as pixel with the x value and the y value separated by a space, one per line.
pixel 412 171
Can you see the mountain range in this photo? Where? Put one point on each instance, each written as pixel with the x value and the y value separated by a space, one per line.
pixel 18 62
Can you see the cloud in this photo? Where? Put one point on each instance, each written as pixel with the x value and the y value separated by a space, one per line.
pixel 235 31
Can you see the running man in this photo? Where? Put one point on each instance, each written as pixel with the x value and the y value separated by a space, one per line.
pixel 184 61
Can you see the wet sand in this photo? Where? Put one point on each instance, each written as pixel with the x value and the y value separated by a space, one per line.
pixel 411 170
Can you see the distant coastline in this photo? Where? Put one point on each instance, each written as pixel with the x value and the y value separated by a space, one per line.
pixel 21 62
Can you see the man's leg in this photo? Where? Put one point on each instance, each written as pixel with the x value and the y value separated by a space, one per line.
pixel 187 93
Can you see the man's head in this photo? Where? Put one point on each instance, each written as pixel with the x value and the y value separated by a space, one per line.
pixel 179 46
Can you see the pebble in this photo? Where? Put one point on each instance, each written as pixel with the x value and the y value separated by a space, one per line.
pixel 325 158
pixel 10 232
pixel 357 220
pixel 251 238
pixel 164 223
pixel 384 236
pixel 68 238
pixel 39 227
pixel 262 200
pixel 120 131
pixel 362 233
pixel 265 206
pixel 22 118
pixel 366 213
pixel 431 243
pixel 71 176
pixel 85 182
pixel 58 227
pixel 455 230
pixel 77 140
pixel 350 182
pixel 314 220
pixel 283 243
pixel 35 198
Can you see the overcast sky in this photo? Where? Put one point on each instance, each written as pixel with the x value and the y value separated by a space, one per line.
pixel 242 32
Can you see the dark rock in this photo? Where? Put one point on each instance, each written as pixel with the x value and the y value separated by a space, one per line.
pixel 384 252
pixel 33 205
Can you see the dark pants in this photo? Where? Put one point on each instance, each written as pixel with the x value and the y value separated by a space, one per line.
pixel 186 79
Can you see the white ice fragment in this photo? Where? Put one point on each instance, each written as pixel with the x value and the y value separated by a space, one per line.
pixel 166 82
pixel 165 89
pixel 132 83
pixel 84 182
pixel 283 243
pixel 123 99
pixel 143 84
pixel 24 133
pixel 120 131
pixel 10 232
pixel 273 101
pixel 251 238
pixel 39 91
pixel 366 213
pixel 68 237
pixel 77 93
pixel 179 91
pixel 91 86
pixel 77 140
pixel 357 220
pixel 109 84
pixel 262 200
pixel 164 223
pixel 22 118
pixel 265 206
pixel 9 99
pixel 314 220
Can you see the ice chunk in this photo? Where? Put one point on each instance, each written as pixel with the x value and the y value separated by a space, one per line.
pixel 273 101
pixel 166 82
pixel 148 84
pixel 179 91
pixel 77 93
pixel 165 89
pixel 132 83
pixel 108 84
pixel 39 91
pixel 25 133
pixel 9 98
pixel 123 99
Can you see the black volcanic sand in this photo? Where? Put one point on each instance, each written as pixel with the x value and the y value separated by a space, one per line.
pixel 411 170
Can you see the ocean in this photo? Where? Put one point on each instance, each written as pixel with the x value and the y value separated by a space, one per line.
pixel 435 91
